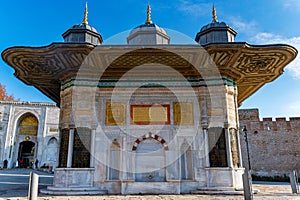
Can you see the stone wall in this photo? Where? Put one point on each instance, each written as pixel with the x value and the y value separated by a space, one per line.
pixel 274 145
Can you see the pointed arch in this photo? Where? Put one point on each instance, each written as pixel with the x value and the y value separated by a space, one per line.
pixel 150 161
pixel 52 150
pixel 28 124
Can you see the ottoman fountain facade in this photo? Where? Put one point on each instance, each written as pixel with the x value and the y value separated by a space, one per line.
pixel 149 116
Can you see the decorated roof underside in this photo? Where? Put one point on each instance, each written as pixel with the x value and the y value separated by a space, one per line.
pixel 250 66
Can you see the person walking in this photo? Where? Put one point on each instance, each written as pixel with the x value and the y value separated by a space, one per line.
pixel 21 163
pixel 5 162
pixel 36 163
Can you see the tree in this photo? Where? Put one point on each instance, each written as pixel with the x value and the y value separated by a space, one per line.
pixel 4 96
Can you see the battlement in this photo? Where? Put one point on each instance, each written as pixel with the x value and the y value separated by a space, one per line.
pixel 272 143
pixel 250 118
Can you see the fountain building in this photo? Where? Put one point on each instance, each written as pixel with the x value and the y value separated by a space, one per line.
pixel 148 116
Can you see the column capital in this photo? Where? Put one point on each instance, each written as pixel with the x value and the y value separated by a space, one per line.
pixel 94 126
pixel 226 125
pixel 204 125
pixel 72 126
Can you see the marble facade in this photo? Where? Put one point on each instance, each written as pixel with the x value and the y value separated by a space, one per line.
pixel 13 133
pixel 149 116
pixel 165 155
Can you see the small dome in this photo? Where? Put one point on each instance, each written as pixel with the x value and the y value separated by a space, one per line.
pixel 83 33
pixel 148 27
pixel 214 25
pixel 215 32
pixel 148 33
pixel 84 26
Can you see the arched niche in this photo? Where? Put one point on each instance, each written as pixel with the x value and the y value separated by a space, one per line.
pixel 52 150
pixel 114 161
pixel 150 161
pixel 186 165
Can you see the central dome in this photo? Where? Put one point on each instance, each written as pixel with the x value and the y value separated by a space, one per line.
pixel 148 33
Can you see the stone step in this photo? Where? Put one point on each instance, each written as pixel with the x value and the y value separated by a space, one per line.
pixel 221 191
pixel 73 191
pixel 216 189
pixel 73 188
pixel 211 192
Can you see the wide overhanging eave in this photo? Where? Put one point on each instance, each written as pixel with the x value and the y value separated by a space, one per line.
pixel 251 66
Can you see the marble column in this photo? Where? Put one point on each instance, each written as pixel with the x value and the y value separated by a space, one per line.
pixel 206 147
pixel 70 148
pixel 204 124
pixel 228 148
pixel 92 150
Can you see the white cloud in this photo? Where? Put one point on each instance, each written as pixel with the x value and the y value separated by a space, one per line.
pixel 287 3
pixel 291 4
pixel 242 26
pixel 194 8
pixel 292 108
pixel 270 38
pixel 295 105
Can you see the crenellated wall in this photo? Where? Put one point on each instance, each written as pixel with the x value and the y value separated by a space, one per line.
pixel 274 145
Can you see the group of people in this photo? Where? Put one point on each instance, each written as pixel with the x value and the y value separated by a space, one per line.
pixel 22 164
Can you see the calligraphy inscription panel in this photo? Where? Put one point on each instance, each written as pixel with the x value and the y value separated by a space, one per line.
pixel 28 131
pixel 150 114
pixel 115 114
pixel 183 114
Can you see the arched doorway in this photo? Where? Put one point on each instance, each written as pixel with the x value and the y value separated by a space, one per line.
pixel 26 154
pixel 27 129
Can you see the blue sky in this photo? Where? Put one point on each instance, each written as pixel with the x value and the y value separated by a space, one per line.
pixel 38 23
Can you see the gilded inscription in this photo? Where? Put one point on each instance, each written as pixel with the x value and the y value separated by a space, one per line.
pixel 183 113
pixel 115 114
pixel 29 125
pixel 140 114
pixel 150 114
pixel 28 131
pixel 29 121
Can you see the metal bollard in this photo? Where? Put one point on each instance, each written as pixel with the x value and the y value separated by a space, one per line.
pixel 294 182
pixel 33 186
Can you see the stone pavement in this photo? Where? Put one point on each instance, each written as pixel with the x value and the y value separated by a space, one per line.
pixel 268 191
pixel 14 182
pixel 16 188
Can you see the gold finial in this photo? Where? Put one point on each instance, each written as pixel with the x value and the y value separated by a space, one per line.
pixel 149 21
pixel 214 13
pixel 85 17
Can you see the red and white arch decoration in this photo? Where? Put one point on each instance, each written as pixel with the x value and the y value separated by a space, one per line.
pixel 150 136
